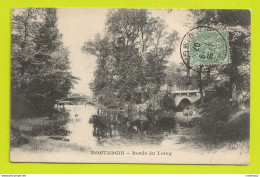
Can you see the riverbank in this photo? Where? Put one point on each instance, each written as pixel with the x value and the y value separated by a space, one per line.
pixel 23 129
pixel 72 135
pixel 180 146
pixel 217 124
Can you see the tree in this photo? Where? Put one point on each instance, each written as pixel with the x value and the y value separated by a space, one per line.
pixel 40 63
pixel 132 54
pixel 236 75
pixel 176 76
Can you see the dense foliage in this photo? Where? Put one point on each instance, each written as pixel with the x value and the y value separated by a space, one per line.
pixel 131 57
pixel 40 63
pixel 233 78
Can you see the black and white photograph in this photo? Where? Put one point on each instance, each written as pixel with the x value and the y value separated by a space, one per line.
pixel 145 86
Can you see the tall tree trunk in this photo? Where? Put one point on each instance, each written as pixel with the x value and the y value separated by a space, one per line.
pixel 235 91
pixel 208 73
pixel 200 84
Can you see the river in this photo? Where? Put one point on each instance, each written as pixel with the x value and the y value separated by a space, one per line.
pixel 91 126
pixel 81 131
pixel 86 130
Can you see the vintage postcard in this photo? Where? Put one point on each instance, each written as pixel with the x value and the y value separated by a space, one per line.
pixel 161 86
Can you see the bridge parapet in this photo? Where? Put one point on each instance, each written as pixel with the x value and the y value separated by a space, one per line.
pixel 186 92
pixel 191 95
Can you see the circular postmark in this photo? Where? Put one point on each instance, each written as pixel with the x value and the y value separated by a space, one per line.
pixel 204 45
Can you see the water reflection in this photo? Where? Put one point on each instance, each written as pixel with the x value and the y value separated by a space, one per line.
pixel 91 126
pixel 81 130
pixel 136 128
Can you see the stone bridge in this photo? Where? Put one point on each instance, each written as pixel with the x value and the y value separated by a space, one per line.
pixel 185 96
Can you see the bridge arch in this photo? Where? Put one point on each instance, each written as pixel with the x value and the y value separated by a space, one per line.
pixel 186 97
pixel 183 103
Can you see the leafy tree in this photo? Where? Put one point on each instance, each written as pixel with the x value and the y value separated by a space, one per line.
pixel 40 63
pixel 176 77
pixel 131 55
pixel 236 75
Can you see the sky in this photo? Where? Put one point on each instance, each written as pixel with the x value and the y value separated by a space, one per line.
pixel 80 25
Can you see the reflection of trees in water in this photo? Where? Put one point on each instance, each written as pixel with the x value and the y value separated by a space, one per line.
pixel 110 124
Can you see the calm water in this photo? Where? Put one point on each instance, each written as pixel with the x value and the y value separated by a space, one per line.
pixel 72 137
pixel 81 131
pixel 90 126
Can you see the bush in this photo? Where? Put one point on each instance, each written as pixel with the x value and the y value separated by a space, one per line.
pixel 221 122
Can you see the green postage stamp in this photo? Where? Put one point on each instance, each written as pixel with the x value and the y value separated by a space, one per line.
pixel 205 46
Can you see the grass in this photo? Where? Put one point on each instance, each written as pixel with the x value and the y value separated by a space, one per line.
pixel 23 130
pixel 221 125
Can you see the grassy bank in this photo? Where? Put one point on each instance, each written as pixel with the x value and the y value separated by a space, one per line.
pixel 218 124
pixel 25 129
